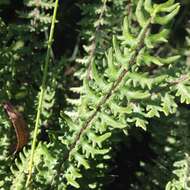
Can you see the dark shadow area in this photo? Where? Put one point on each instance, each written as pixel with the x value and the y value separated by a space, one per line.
pixel 128 155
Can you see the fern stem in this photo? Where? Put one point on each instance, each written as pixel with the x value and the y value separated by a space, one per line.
pixel 42 90
pixel 94 41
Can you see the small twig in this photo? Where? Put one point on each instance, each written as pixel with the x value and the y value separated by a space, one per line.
pixel 171 83
pixel 179 80
pixel 128 8
pixel 94 42
pixel 36 12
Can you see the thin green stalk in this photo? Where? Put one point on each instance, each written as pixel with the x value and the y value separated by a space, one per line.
pixel 42 90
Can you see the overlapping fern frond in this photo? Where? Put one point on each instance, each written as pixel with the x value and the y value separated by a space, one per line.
pixel 111 100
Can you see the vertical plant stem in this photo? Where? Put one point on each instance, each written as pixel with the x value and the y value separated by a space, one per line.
pixel 42 90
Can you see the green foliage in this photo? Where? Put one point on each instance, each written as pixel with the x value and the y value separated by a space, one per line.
pixel 131 76
pixel 104 98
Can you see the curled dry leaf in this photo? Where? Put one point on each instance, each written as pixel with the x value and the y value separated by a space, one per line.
pixel 19 125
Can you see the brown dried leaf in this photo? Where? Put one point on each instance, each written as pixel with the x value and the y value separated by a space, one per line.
pixel 19 125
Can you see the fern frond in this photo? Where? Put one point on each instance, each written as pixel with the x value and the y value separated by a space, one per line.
pixel 97 92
